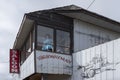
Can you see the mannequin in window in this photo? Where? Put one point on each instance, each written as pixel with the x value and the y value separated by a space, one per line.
pixel 47 43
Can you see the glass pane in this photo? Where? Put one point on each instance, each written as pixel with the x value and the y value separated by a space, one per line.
pixel 63 49
pixel 44 38
pixel 23 55
pixel 28 45
pixel 63 42
pixel 33 39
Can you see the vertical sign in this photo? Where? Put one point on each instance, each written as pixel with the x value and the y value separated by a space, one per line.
pixel 14 61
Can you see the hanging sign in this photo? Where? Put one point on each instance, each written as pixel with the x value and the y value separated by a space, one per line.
pixel 14 61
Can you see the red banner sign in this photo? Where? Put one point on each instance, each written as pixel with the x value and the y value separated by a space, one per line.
pixel 14 61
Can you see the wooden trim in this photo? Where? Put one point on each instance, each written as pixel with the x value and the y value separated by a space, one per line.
pixel 54 34
pixel 53 20
pixel 35 46
pixel 72 39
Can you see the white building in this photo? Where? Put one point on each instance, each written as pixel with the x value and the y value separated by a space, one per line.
pixel 54 45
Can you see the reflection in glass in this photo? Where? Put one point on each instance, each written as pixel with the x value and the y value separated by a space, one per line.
pixel 45 38
pixel 63 42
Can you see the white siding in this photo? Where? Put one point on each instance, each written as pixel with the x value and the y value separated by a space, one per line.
pixel 52 63
pixel 16 77
pixel 28 67
pixel 87 35
pixel 103 59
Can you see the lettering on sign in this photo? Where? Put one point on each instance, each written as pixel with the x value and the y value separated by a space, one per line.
pixel 14 61
pixel 41 57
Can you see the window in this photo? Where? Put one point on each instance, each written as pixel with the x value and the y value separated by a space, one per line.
pixel 33 40
pixel 45 39
pixel 23 55
pixel 63 42
pixel 28 46
pixel 53 40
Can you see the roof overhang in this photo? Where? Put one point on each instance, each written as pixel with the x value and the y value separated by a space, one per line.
pixel 23 32
pixel 76 12
pixel 92 18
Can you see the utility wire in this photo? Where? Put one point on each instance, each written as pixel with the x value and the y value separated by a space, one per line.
pixel 91 4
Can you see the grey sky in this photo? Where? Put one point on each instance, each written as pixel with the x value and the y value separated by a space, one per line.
pixel 12 12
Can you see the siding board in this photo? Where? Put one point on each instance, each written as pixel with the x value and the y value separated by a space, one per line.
pixel 101 62
pixel 87 35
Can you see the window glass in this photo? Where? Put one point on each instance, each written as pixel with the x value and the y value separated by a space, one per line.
pixel 63 42
pixel 44 38
pixel 33 39
pixel 27 47
pixel 23 55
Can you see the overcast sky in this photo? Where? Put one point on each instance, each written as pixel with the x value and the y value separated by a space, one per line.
pixel 12 12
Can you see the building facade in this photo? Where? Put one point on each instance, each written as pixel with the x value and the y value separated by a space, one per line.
pixel 53 44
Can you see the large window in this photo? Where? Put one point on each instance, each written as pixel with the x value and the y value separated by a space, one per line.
pixel 63 42
pixel 53 40
pixel 45 39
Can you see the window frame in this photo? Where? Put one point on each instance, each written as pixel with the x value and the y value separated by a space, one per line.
pixel 24 50
pixel 37 37
pixel 55 38
pixel 63 46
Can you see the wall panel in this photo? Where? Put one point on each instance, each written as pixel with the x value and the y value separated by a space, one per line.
pixel 101 62
pixel 87 35
pixel 28 67
pixel 53 63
